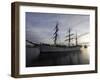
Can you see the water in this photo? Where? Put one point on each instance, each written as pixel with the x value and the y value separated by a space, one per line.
pixel 36 58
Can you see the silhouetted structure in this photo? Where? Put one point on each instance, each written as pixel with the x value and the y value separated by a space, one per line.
pixel 76 39
pixel 69 38
pixel 55 37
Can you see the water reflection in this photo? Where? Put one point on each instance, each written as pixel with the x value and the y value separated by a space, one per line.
pixel 34 57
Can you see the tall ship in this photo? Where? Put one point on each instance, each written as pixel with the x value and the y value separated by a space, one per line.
pixel 57 54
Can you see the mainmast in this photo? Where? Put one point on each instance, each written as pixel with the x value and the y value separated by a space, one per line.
pixel 68 37
pixel 55 35
pixel 76 39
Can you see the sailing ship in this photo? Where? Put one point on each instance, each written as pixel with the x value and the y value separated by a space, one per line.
pixel 57 54
pixel 68 38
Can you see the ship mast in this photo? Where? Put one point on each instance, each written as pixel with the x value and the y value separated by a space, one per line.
pixel 76 39
pixel 55 35
pixel 69 38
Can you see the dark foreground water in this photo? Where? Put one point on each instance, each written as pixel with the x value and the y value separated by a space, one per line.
pixel 36 58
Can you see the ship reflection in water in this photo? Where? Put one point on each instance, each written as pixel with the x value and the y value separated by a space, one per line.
pixel 49 55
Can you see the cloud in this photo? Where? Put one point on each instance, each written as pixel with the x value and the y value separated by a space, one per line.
pixel 40 26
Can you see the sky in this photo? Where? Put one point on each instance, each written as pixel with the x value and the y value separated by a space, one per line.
pixel 40 27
